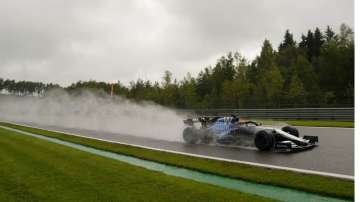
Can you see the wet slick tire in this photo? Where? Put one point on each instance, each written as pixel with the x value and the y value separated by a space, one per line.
pixel 291 130
pixel 191 135
pixel 264 140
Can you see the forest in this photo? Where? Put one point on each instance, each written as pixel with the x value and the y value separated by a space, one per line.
pixel 316 71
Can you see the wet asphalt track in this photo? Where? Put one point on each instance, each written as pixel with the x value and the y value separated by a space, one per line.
pixel 335 153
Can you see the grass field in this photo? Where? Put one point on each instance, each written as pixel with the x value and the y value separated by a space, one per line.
pixel 36 170
pixel 311 183
pixel 342 124
pixel 313 123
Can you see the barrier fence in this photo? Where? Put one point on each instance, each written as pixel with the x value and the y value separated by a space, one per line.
pixel 339 114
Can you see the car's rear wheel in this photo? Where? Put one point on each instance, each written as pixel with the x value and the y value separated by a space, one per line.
pixel 206 136
pixel 191 135
pixel 264 140
pixel 291 130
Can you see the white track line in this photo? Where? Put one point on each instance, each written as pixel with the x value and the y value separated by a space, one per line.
pixel 335 175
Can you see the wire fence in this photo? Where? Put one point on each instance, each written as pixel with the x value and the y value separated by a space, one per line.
pixel 339 114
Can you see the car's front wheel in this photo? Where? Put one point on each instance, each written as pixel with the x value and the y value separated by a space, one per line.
pixel 264 140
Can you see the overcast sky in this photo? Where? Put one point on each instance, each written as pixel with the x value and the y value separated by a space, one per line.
pixel 65 41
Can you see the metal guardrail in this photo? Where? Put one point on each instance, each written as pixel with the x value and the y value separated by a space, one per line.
pixel 340 114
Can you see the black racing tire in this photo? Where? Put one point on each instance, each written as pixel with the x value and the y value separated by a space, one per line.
pixel 191 135
pixel 264 140
pixel 206 136
pixel 291 130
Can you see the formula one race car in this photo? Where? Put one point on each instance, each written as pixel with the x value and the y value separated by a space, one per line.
pixel 231 131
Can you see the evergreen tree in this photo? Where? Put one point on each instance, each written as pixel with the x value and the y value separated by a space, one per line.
pixel 346 35
pixel 297 93
pixel 309 44
pixel 170 92
pixel 167 78
pixel 317 42
pixel 266 59
pixel 274 90
pixel 336 66
pixel 1 84
pixel 329 34
pixel 303 43
pixel 287 42
pixel 204 83
pixel 287 55
pixel 187 92
pixel 306 73
pixel 235 93
pixel 269 87
pixel 230 94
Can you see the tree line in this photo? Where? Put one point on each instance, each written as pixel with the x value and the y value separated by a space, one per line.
pixel 316 71
pixel 23 88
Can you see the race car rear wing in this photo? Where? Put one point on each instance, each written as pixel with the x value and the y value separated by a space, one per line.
pixel 205 120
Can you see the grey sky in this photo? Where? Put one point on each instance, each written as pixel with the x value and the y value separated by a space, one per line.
pixel 64 41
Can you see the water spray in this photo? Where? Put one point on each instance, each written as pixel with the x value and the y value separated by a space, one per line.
pixel 94 111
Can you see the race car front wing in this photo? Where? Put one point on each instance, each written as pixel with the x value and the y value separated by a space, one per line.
pixel 290 146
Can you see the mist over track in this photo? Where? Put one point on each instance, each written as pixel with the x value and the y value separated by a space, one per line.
pixel 94 111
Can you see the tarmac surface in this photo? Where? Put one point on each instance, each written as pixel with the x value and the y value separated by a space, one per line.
pixel 335 153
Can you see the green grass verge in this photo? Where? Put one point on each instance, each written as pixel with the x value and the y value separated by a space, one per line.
pixel 311 183
pixel 313 123
pixel 36 170
pixel 342 124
